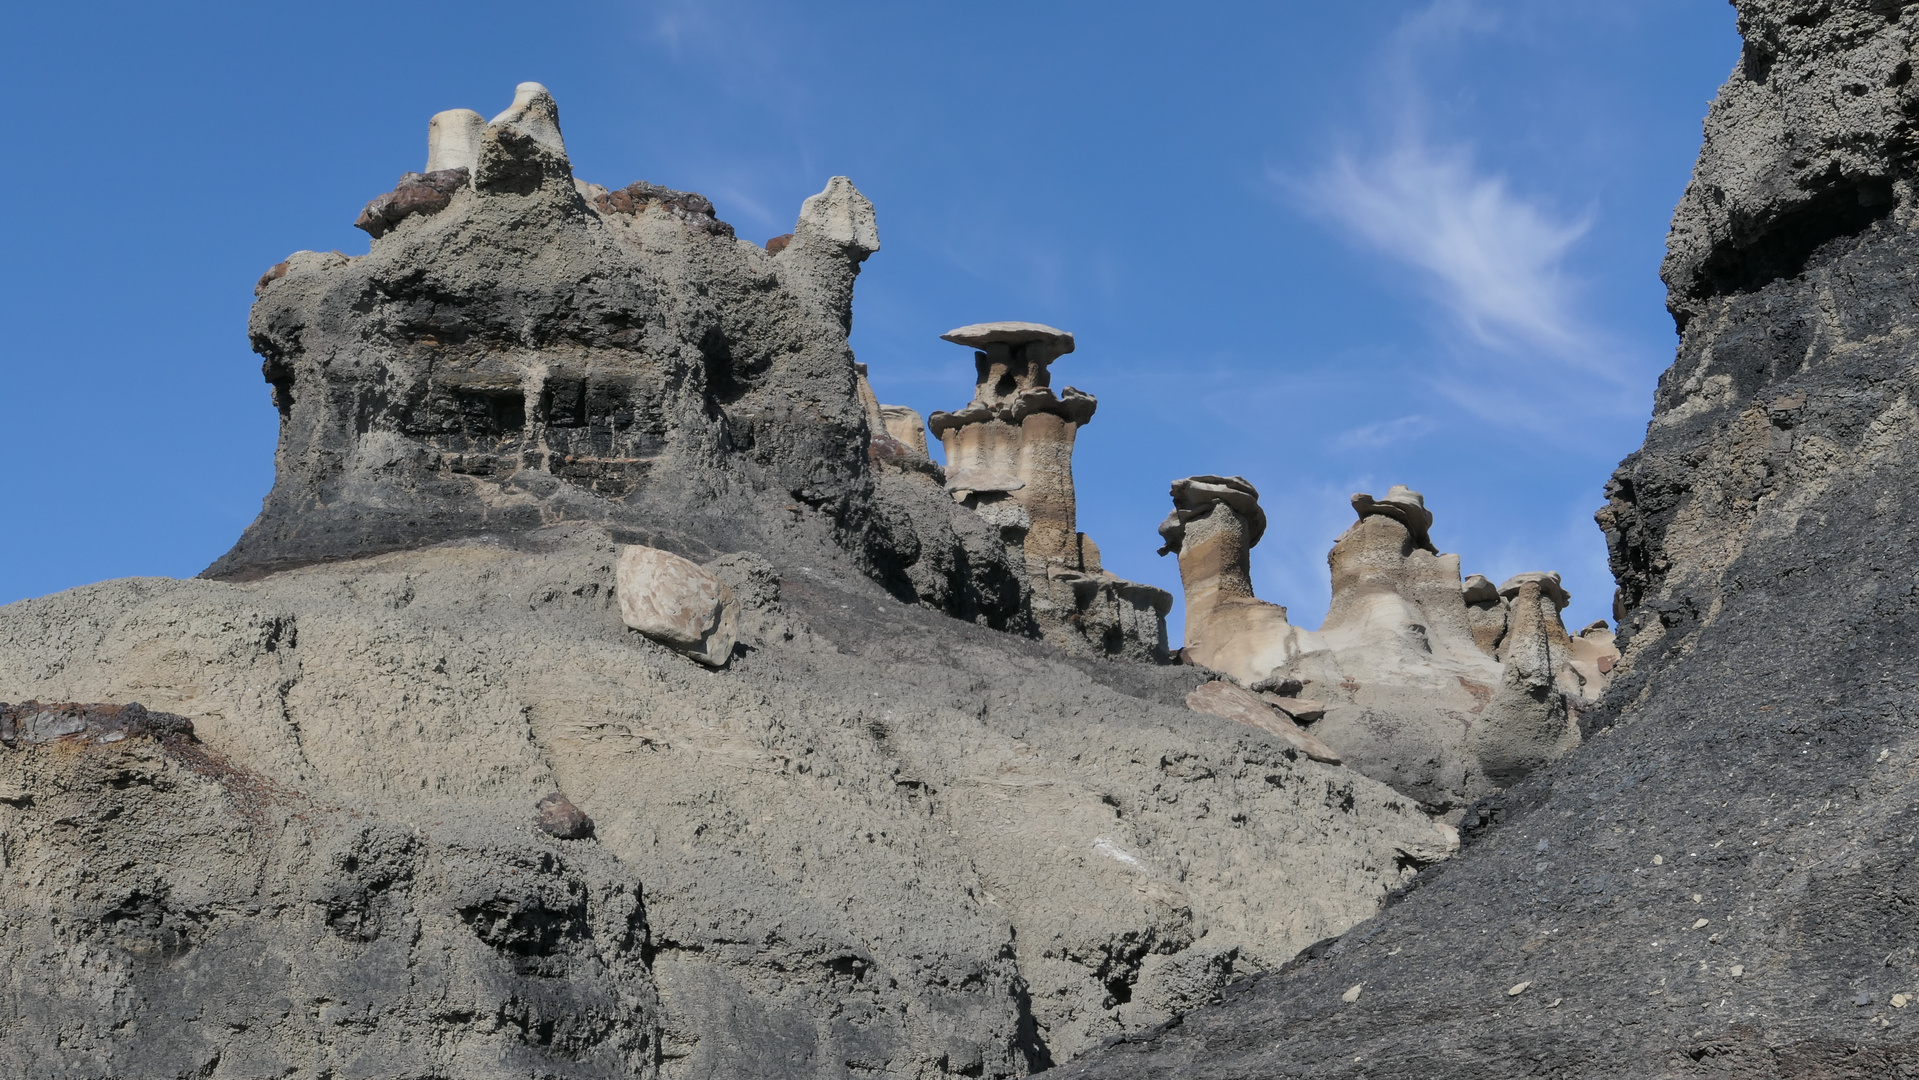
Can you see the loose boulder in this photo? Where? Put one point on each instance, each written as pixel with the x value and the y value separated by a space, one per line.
pixel 677 603
pixel 556 816
pixel 1230 702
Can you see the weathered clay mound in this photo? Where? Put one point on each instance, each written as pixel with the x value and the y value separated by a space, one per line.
pixel 879 835
pixel 1720 881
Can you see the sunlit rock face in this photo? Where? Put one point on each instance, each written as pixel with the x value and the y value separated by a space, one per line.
pixel 1009 457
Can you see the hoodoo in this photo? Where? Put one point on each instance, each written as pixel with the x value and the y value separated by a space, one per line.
pixel 611 687
pixel 1009 457
pixel 1446 689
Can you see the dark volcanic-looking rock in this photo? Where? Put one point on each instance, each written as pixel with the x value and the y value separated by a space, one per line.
pixel 525 350
pixel 1720 882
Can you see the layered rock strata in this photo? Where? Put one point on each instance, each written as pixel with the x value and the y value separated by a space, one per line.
pixel 1009 457
pixel 1446 689
pixel 1718 882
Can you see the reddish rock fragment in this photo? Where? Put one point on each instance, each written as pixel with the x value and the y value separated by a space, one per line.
pixel 556 816
pixel 416 193
pixel 33 723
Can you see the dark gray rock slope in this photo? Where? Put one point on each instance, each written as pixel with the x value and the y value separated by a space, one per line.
pixel 1720 881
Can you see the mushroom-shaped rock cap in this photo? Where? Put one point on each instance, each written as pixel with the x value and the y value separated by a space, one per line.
pixel 1548 583
pixel 1404 505
pixel 1479 589
pixel 980 335
pixel 1195 495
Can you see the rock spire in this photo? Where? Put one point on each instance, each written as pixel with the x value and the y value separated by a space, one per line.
pixel 1009 457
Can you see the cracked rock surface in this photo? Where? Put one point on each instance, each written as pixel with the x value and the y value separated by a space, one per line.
pixel 407 797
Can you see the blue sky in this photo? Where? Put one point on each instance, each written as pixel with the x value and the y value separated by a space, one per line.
pixel 1329 247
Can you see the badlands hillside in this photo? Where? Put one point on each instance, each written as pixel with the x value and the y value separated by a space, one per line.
pixel 603 692
pixel 612 686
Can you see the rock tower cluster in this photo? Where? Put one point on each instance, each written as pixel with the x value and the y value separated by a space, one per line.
pixel 1447 689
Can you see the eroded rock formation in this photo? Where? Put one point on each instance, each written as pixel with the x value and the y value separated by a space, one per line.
pixel 456 786
pixel 1446 689
pixel 1717 883
pixel 520 349
pixel 1009 457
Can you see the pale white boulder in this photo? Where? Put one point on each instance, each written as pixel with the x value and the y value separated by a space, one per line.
pixel 838 217
pixel 677 603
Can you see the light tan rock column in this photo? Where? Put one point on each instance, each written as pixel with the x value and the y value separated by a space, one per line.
pixel 1046 464
pixel 869 401
pixel 1009 456
pixel 1529 722
pixel 1015 425
pixel 1393 590
pixel 906 425
pixel 453 140
pixel 1215 523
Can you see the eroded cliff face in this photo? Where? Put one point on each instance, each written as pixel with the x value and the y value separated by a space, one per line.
pixel 1719 881
pixel 520 349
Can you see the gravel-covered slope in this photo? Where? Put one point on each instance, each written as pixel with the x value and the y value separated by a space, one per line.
pixel 1720 883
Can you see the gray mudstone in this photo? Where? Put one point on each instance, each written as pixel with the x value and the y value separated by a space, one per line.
pixel 880 836
pixel 524 349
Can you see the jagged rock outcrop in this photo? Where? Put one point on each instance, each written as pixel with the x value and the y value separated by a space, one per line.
pixel 434 806
pixel 1718 882
pixel 1009 457
pixel 520 349
pixel 1445 689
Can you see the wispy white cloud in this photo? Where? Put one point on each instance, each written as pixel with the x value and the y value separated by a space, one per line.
pixel 1385 433
pixel 1492 258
